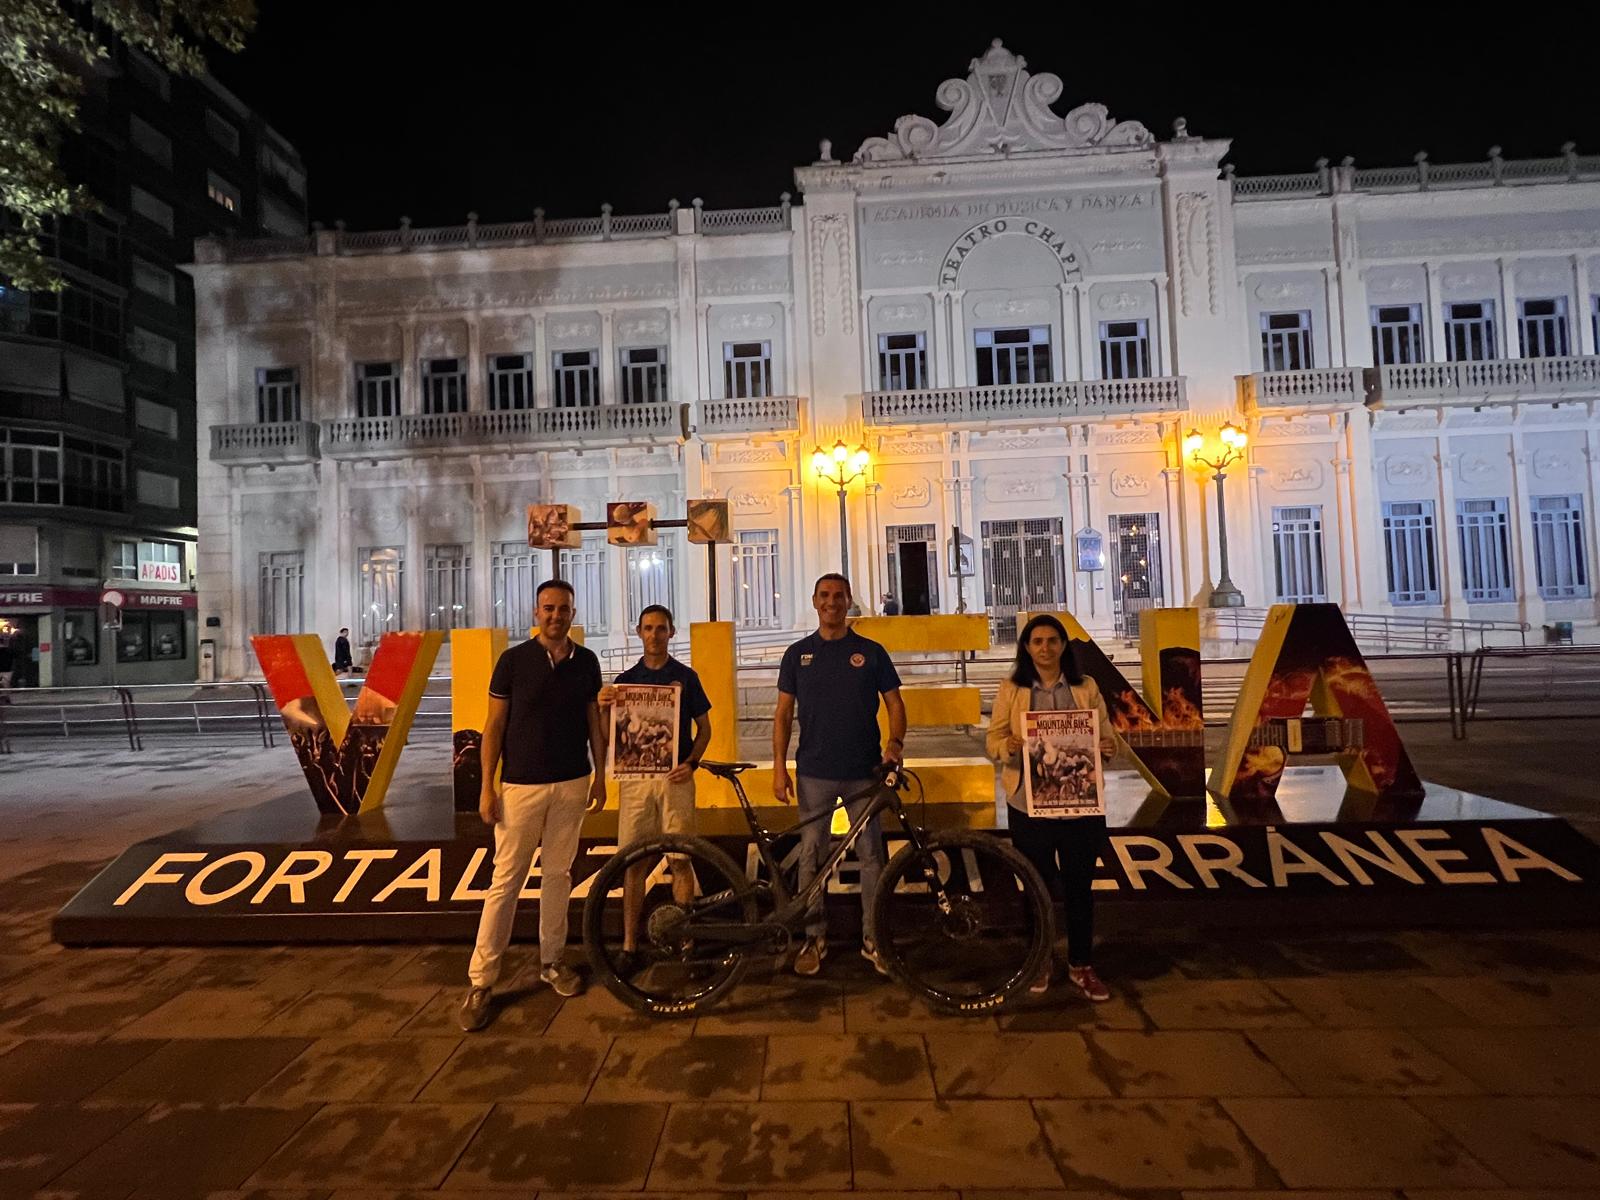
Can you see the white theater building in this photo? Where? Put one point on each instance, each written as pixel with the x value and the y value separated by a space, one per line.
pixel 1019 314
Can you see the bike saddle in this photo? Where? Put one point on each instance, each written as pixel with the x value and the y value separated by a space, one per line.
pixel 726 769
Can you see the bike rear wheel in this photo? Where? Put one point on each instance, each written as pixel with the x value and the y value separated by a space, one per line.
pixel 680 965
pixel 965 923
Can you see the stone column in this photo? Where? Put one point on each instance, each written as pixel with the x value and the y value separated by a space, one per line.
pixel 1524 560
pixel 1510 342
pixel 791 354
pixel 959 376
pixel 1164 337
pixel 1071 359
pixel 610 393
pixel 235 623
pixel 1335 318
pixel 1088 360
pixel 541 364
pixel 410 398
pixel 1370 583
pixel 1176 546
pixel 1450 585
pixel 476 366
pixel 872 546
pixel 414 614
pixel 938 341
pixel 792 561
pixel 1585 314
pixel 1434 314
pixel 482 552
pixel 711 387
pixel 1348 591
pixel 1591 515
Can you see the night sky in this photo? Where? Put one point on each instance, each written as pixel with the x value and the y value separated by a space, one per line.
pixel 435 110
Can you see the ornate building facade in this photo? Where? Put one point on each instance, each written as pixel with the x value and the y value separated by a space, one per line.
pixel 1020 315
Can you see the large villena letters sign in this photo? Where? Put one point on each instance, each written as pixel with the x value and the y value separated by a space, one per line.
pixel 1305 652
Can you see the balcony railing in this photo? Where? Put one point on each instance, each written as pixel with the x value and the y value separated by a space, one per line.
pixel 270 444
pixel 1302 389
pixel 1501 380
pixel 530 428
pixel 755 414
pixel 1421 176
pixel 1026 403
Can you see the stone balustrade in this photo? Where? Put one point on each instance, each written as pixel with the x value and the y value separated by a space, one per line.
pixel 1421 176
pixel 1500 380
pixel 523 428
pixel 1302 389
pixel 276 443
pixel 754 414
pixel 1025 403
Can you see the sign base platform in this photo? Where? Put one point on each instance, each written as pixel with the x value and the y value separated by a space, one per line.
pixel 415 870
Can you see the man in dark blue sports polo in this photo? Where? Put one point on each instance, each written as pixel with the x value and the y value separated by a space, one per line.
pixel 835 676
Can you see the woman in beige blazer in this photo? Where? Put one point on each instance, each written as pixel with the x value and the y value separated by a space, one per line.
pixel 1064 850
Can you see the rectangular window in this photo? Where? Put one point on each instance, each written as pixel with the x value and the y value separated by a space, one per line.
pixel 150 141
pixel 577 378
pixel 1297 554
pixel 277 394
pixel 513 571
pixel 652 577
pixel 746 369
pixel 1558 553
pixel 152 208
pixel 585 568
pixel 92 319
pixel 447 586
pixel 378 389
pixel 166 635
pixel 222 192
pixel 902 361
pixel 1286 341
pixel 282 591
pixel 1485 531
pixel 30 466
pixel 152 348
pixel 1397 334
pixel 155 489
pixel 149 74
pixel 756 594
pixel 153 280
pixel 81 633
pixel 124 560
pixel 1006 356
pixel 1543 326
pixel 379 577
pixel 275 165
pixel 19 550
pixel 644 374
pixel 444 385
pixel 278 218
pixel 157 418
pixel 160 562
pixel 223 132
pixel 1409 552
pixel 93 475
pixel 1124 349
pixel 133 639
pixel 1469 332
pixel 510 381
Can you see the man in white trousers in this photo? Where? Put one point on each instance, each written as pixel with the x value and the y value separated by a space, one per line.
pixel 545 724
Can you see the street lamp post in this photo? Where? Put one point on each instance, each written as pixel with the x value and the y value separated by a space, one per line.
pixel 1225 594
pixel 841 467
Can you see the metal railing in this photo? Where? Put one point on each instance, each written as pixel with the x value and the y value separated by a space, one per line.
pixel 1041 403
pixel 133 710
pixel 1423 175
pixel 1390 631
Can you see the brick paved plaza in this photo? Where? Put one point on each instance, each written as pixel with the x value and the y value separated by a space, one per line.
pixel 1417 1063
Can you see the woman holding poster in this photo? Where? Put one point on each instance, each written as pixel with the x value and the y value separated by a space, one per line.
pixel 1050 733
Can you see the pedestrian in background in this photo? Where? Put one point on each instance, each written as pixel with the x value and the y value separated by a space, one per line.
pixel 343 664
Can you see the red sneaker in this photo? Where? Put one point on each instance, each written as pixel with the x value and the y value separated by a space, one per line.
pixel 1090 984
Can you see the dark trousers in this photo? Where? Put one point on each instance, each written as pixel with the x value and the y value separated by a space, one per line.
pixel 1063 850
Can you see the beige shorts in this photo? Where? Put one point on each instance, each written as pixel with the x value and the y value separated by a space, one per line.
pixel 648 807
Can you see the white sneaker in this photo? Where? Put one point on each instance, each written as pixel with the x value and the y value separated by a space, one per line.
pixel 562 978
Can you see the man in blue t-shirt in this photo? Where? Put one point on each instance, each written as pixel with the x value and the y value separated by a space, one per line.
pixel 836 677
pixel 650 807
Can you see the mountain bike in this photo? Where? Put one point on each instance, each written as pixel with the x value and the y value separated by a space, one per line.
pixel 962 919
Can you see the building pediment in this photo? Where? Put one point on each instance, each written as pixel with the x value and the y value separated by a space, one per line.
pixel 999 110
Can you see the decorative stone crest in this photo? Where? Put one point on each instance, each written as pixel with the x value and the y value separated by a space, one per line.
pixel 754 504
pixel 1300 477
pixel 911 495
pixel 999 109
pixel 1129 483
pixel 1548 463
pixel 1407 470
pixel 746 322
pixel 1003 488
pixel 831 276
pixel 1197 252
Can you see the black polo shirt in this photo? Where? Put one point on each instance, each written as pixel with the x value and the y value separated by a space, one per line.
pixel 547 732
pixel 836 685
pixel 691 704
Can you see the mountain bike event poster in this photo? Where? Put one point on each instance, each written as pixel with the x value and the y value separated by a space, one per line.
pixel 644 730
pixel 1061 760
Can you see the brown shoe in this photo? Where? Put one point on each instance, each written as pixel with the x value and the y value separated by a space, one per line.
pixel 1090 984
pixel 809 960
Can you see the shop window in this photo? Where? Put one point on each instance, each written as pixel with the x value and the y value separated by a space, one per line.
pixel 81 635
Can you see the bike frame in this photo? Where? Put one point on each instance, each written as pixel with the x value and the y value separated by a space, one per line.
pixel 790 906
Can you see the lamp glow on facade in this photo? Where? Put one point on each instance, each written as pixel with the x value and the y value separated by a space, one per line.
pixel 1230 447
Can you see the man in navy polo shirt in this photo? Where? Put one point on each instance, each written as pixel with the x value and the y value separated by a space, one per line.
pixel 544 720
pixel 836 677
pixel 650 807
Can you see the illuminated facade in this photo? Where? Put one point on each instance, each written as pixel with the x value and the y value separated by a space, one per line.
pixel 1020 315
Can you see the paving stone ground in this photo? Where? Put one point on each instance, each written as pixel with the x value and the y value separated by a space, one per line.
pixel 1325 1065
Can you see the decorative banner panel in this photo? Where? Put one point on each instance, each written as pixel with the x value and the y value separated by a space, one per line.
pixel 628 523
pixel 708 523
pixel 551 527
pixel 348 759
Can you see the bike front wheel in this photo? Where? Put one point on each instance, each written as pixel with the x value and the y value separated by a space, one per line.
pixel 689 951
pixel 965 922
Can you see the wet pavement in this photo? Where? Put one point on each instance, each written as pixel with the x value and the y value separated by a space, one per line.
pixel 1317 1063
